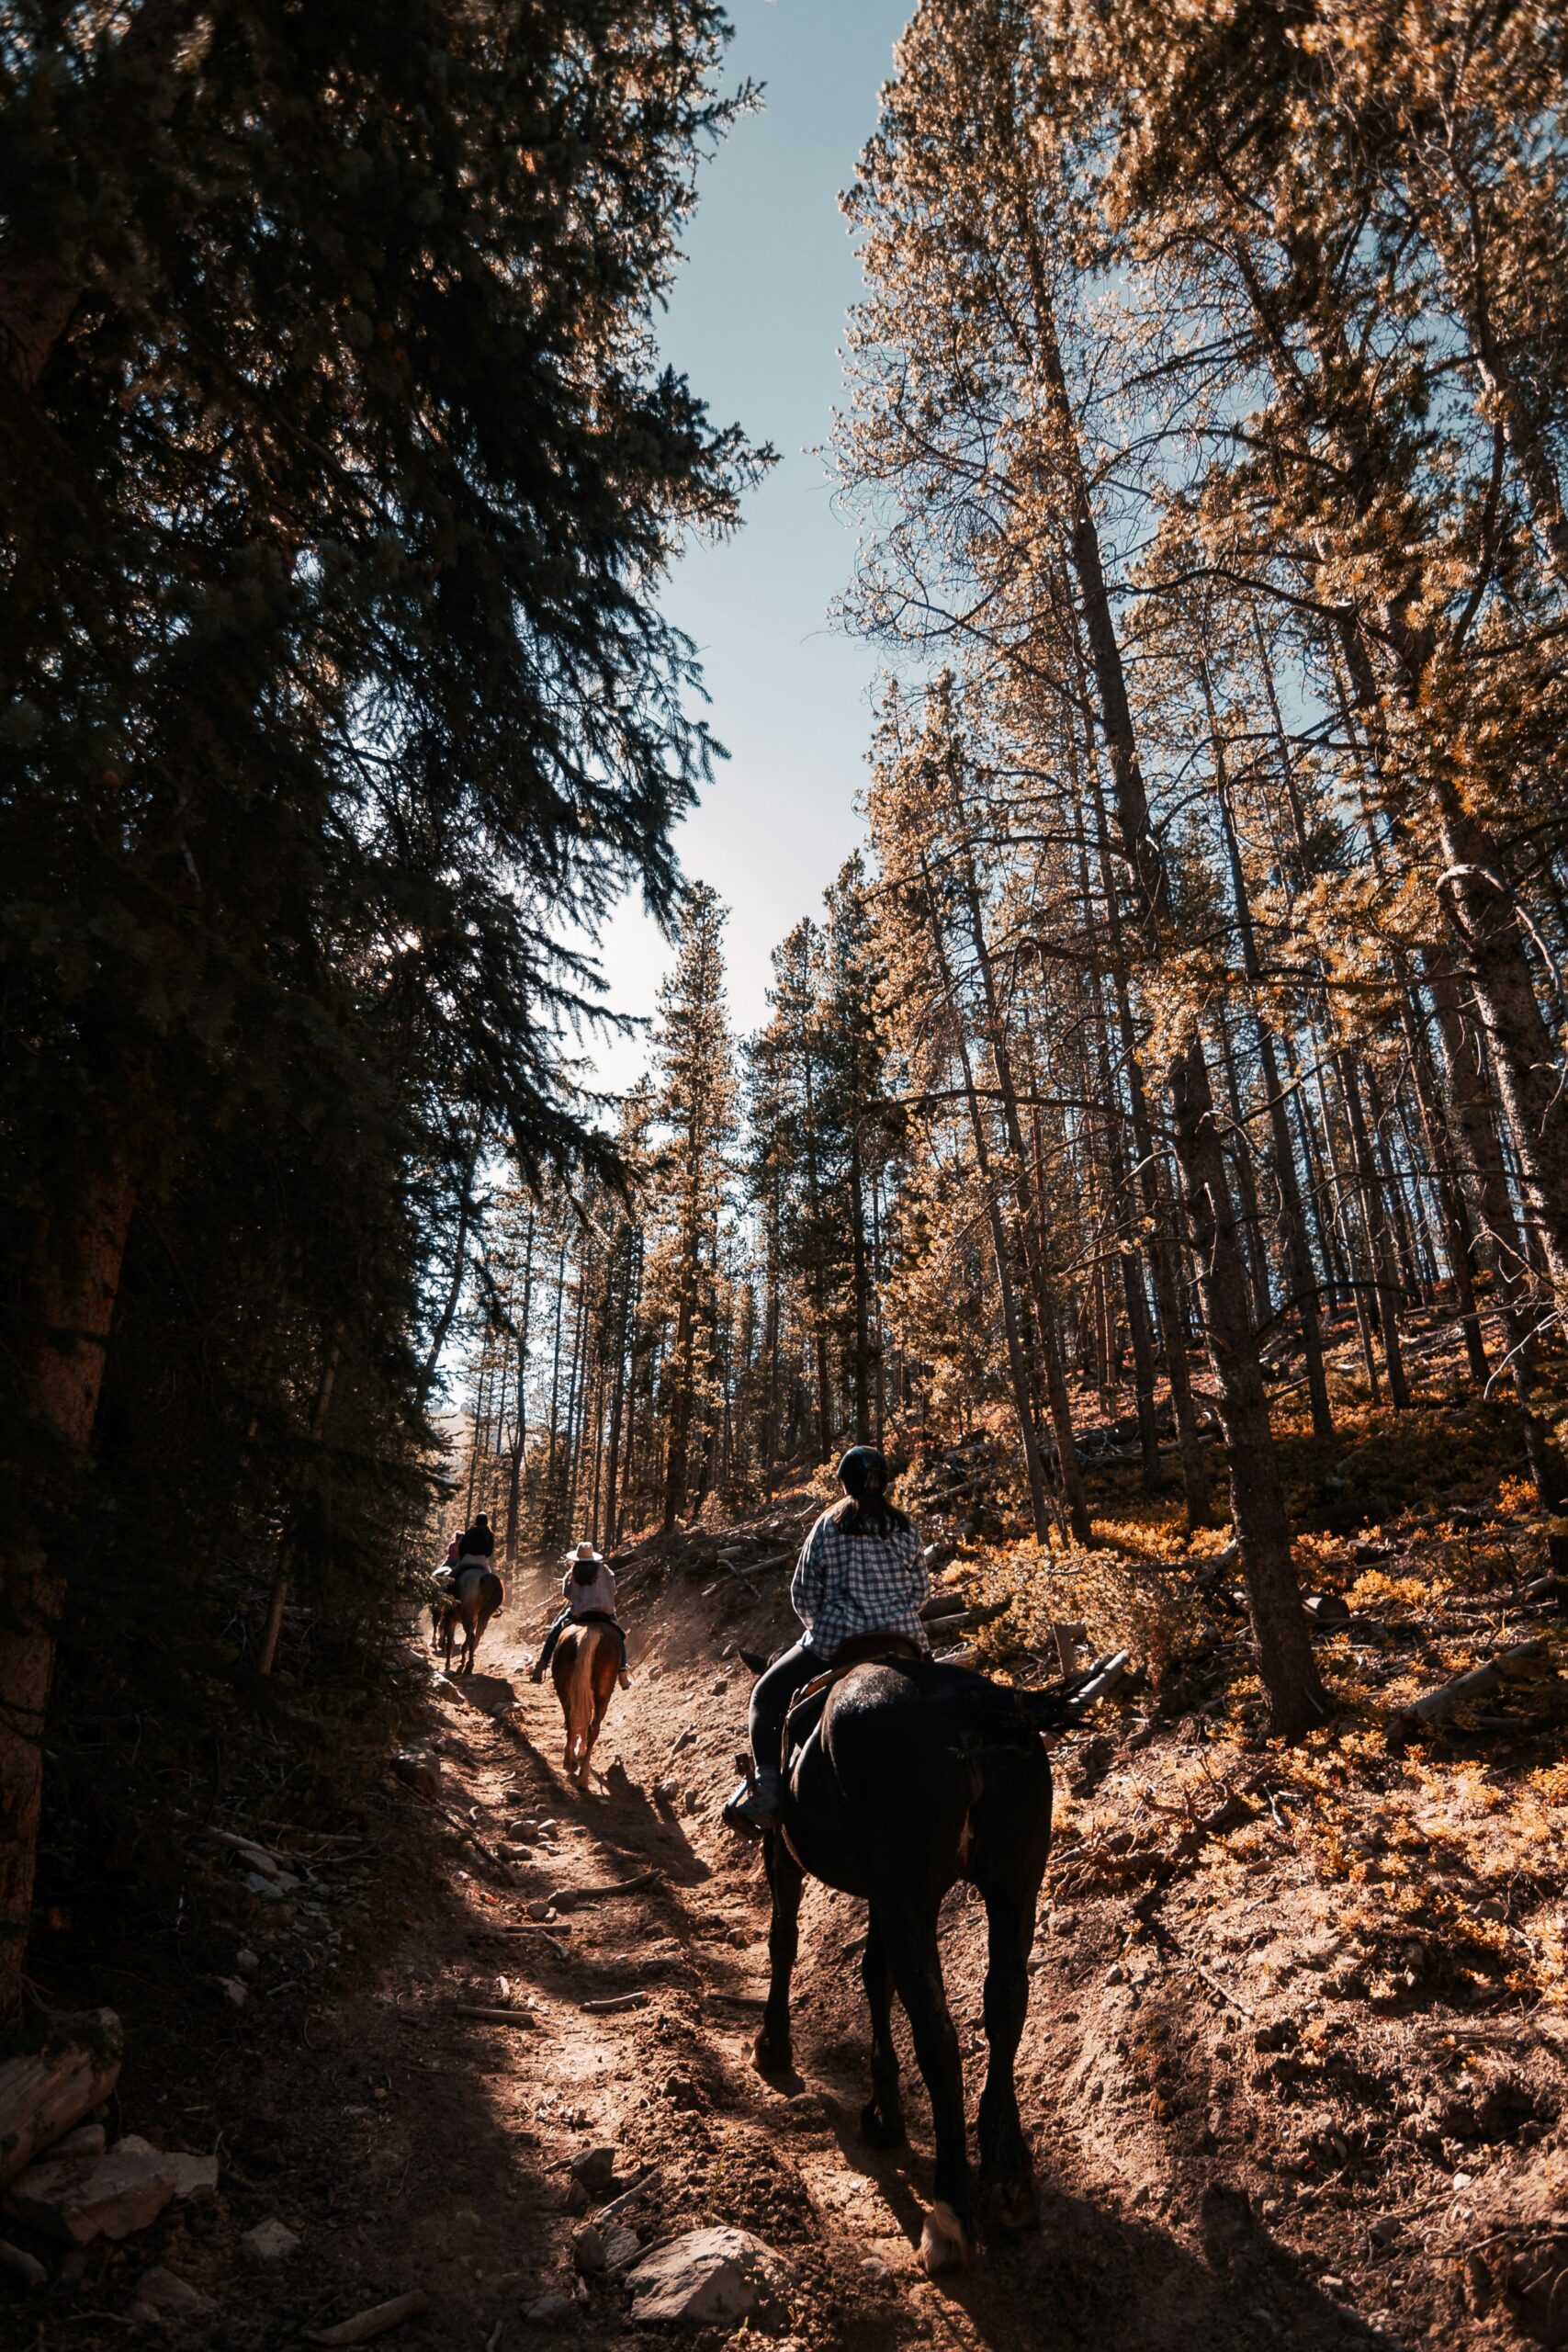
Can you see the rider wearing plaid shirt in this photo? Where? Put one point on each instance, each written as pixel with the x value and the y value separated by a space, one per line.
pixel 862 1570
pixel 847 1583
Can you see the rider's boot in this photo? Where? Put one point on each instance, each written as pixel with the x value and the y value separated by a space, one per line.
pixel 754 1807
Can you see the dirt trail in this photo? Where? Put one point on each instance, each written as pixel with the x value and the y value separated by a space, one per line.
pixel 1231 2147
pixel 1138 2242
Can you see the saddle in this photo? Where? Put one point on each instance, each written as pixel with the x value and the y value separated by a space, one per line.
pixel 805 1710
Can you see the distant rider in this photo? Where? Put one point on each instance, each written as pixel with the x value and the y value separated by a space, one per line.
pixel 476 1542
pixel 589 1586
pixel 862 1570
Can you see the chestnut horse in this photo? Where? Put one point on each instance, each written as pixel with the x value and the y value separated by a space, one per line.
pixel 585 1670
pixel 476 1593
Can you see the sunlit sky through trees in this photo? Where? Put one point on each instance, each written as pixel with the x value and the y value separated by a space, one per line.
pixel 756 324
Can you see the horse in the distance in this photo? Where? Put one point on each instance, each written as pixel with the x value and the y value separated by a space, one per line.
pixel 476 1594
pixel 585 1670
pixel 918 1775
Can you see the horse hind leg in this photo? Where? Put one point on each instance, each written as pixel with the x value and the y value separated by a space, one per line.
pixel 1007 2169
pixel 881 2117
pixel 947 2238
pixel 772 2050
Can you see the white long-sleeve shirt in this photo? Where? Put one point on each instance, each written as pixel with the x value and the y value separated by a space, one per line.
pixel 590 1600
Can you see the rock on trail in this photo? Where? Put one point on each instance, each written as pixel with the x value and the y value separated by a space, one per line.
pixel 707 2275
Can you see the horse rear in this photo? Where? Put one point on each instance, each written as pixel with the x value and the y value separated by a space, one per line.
pixel 585 1668
pixel 477 1594
pixel 913 1782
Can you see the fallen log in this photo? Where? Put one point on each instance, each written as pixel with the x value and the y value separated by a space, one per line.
pixel 569 1894
pixel 1069 1636
pixel 43 2093
pixel 626 2199
pixel 374 2322
pixel 963 1621
pixel 1476 1682
pixel 607 2007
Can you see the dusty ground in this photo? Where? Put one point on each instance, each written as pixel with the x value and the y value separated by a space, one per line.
pixel 1265 2110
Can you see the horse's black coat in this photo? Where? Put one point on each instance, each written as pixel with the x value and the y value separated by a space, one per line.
pixel 919 1775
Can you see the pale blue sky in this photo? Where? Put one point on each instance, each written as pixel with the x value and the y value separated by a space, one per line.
pixel 757 324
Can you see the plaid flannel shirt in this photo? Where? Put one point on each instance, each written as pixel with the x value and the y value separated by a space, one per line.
pixel 846 1583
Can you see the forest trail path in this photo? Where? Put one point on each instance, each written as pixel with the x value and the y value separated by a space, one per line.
pixel 1136 2244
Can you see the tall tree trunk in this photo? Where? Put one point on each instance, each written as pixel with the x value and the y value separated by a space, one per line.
pixel 520 1425
pixel 62 1339
pixel 1297 1250
pixel 1386 1279
pixel 459 1267
pixel 295 1541
pixel 1030 1223
pixel 1017 1367
pixel 1162 1248
pixel 1296 1696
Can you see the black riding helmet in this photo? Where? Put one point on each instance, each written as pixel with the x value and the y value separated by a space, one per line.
pixel 863 1471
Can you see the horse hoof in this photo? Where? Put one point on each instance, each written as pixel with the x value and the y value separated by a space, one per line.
pixel 1011 2202
pixel 945 2242
pixel 771 2057
pixel 879 2131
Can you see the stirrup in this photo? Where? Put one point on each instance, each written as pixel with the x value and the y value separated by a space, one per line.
pixel 753 1809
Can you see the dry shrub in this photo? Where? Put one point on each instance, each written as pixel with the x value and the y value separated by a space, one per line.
pixel 1151 1610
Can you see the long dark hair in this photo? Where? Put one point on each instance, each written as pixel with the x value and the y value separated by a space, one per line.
pixel 866 1510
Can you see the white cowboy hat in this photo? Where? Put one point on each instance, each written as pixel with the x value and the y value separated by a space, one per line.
pixel 583 1552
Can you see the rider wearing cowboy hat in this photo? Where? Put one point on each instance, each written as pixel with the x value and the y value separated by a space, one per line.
pixel 589 1586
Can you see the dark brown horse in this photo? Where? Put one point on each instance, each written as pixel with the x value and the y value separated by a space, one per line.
pixel 585 1670
pixel 918 1775
pixel 477 1594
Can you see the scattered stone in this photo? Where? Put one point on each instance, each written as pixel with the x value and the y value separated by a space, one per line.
pixel 578 2200
pixel 194 2176
pixel 875 2270
pixel 540 1908
pixel 88 2140
pixel 621 2246
pixel 24 2268
pixel 269 2242
pixel 81 2198
pixel 595 2168
pixel 246 1962
pixel 705 2274
pixel 586 2250
pixel 419 1769
pixel 257 1859
pixel 1116 1974
pixel 164 2295
pixel 547 2311
pixel 233 1992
